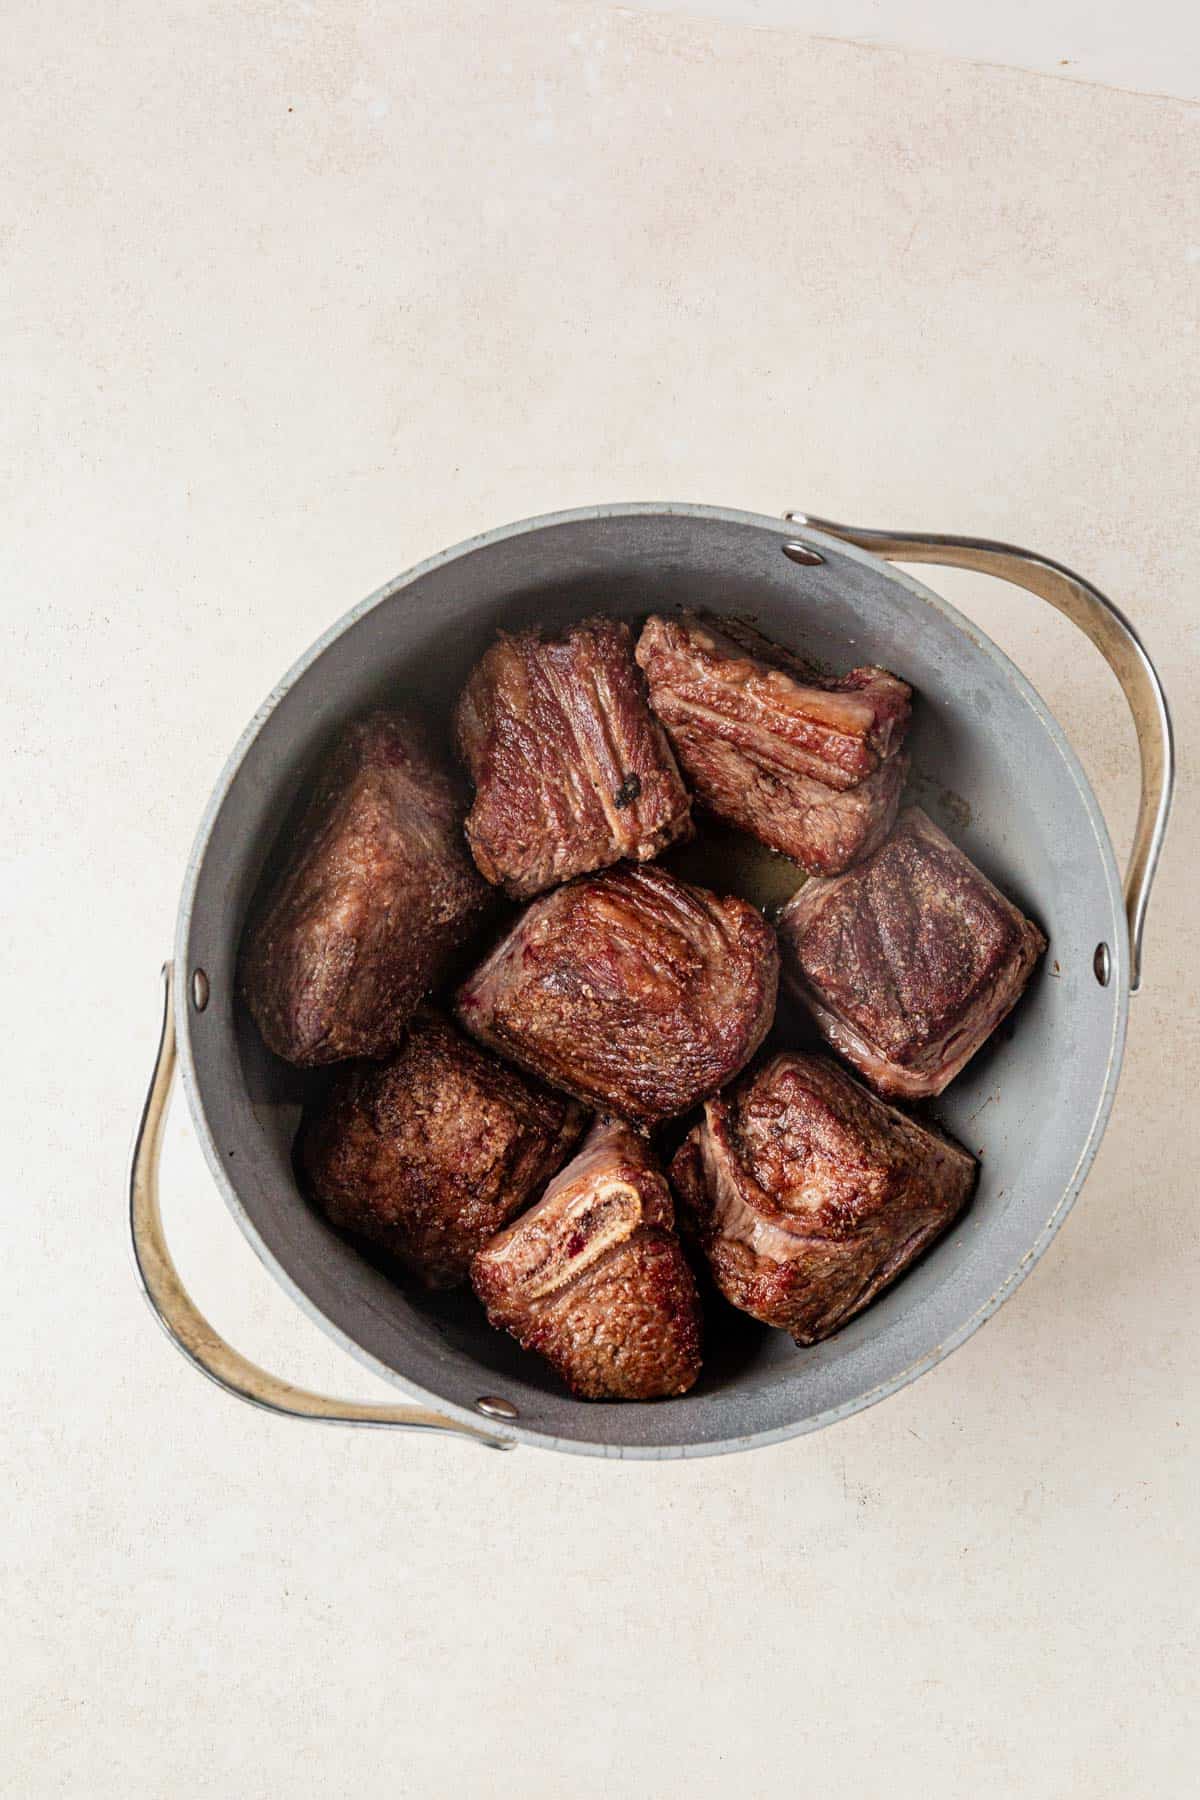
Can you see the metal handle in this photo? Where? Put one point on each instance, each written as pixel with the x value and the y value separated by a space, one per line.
pixel 186 1326
pixel 1117 642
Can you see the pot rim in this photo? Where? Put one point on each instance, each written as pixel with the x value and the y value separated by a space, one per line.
pixel 1118 939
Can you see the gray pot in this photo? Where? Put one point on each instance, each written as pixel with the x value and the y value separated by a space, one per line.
pixel 1033 1103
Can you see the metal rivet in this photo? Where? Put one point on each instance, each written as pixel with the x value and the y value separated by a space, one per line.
pixel 802 553
pixel 199 989
pixel 496 1409
pixel 1102 964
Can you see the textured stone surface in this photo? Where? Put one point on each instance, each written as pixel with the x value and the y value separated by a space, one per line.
pixel 296 294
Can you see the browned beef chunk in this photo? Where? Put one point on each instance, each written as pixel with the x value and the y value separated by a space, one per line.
pixel 593 1279
pixel 376 896
pixel 571 770
pixel 634 991
pixel 808 1195
pixel 909 961
pixel 823 829
pixel 721 684
pixel 431 1152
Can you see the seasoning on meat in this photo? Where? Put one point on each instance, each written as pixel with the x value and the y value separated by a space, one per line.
pixel 376 896
pixel 909 961
pixel 572 771
pixel 807 765
pixel 632 990
pixel 592 1277
pixel 431 1152
pixel 808 1195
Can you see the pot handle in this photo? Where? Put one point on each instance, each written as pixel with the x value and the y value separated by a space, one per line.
pixel 1116 640
pixel 186 1326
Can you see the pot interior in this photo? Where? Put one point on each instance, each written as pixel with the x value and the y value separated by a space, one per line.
pixel 990 766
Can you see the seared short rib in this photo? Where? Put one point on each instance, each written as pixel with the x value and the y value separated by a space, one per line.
pixel 377 894
pixel 909 961
pixel 572 771
pixel 636 992
pixel 431 1152
pixel 808 1195
pixel 807 765
pixel 592 1277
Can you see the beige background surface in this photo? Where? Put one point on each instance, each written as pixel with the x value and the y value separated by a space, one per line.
pixel 1150 48
pixel 294 295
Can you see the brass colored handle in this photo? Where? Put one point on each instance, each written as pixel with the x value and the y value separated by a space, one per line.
pixel 1117 641
pixel 187 1327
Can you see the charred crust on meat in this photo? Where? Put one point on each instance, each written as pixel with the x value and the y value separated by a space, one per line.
pixel 429 1153
pixel 373 902
pixel 810 765
pixel 572 771
pixel 593 1279
pixel 808 1195
pixel 909 961
pixel 634 991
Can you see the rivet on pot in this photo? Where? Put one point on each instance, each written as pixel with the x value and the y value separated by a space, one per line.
pixel 802 553
pixel 199 989
pixel 495 1408
pixel 1102 964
